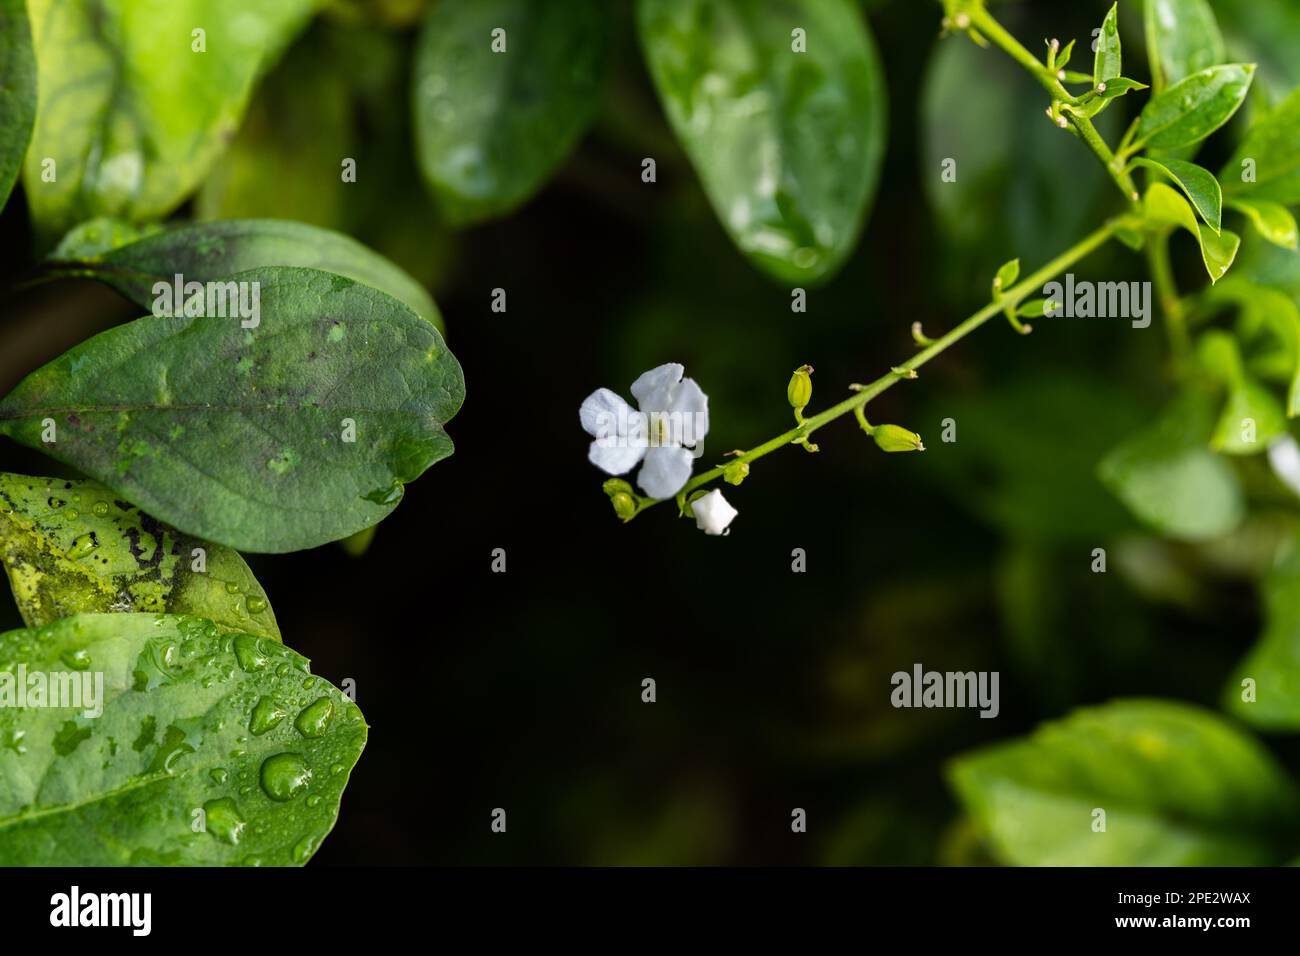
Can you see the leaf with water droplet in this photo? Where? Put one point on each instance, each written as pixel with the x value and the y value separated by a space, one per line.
pixel 492 125
pixel 787 140
pixel 69 797
pixel 113 557
pixel 1194 107
pixel 134 117
pixel 160 411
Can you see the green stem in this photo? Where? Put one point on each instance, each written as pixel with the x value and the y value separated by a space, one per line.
pixel 988 25
pixel 1009 301
pixel 1162 275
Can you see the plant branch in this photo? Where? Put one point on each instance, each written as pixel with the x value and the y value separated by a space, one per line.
pixel 1008 302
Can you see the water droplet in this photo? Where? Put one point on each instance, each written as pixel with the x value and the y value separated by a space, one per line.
pixel 78 660
pixel 284 776
pixel 223 820
pixel 266 714
pixel 232 587
pixel 313 800
pixel 386 496
pixel 282 670
pixel 256 605
pixel 249 652
pixel 100 508
pixel 83 545
pixel 315 717
pixel 304 848
pixel 73 514
pixel 220 774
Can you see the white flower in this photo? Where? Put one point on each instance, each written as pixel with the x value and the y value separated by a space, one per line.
pixel 1284 456
pixel 713 513
pixel 673 418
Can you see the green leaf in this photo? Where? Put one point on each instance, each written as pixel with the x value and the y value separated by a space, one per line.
pixel 1251 417
pixel 1119 86
pixel 491 126
pixel 1179 786
pixel 1169 479
pixel 1163 206
pixel 132 117
pixel 1182 38
pixel 1034 309
pixel 1264 309
pixel 208 251
pixel 73 547
pixel 1194 107
pixel 17 92
pixel 1006 277
pixel 1272 221
pixel 1199 184
pixel 300 431
pixel 1273 664
pixel 1107 59
pixel 193 719
pixel 1267 163
pixel 787 144
pixel 1063 59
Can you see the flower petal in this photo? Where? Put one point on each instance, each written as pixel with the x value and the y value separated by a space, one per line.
pixel 665 470
pixel 604 413
pixel 615 457
pixel 689 399
pixel 619 431
pixel 713 513
pixel 653 390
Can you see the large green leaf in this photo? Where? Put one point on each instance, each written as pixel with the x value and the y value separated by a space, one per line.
pixel 285 436
pixel 208 251
pixel 17 91
pixel 73 547
pixel 491 127
pixel 787 144
pixel 1182 38
pixel 1274 663
pixel 1179 787
pixel 1271 151
pixel 1168 477
pixel 130 114
pixel 1199 184
pixel 1194 107
pixel 212 748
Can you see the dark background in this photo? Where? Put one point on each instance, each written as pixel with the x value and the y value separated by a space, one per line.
pixel 522 690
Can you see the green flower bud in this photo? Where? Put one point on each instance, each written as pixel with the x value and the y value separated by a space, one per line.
pixel 895 438
pixel 624 505
pixel 799 391
pixel 622 497
pixel 735 472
